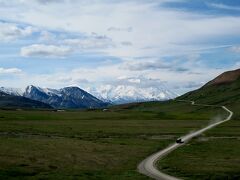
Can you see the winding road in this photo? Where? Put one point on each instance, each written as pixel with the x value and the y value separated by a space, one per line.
pixel 148 165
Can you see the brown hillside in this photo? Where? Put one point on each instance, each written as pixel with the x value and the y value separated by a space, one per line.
pixel 225 78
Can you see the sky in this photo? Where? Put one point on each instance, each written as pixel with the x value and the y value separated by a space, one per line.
pixel 180 44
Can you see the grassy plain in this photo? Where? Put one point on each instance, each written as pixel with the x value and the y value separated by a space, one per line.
pixel 92 144
pixel 215 155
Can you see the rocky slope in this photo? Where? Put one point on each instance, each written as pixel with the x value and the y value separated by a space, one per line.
pixel 68 97
pixel 11 101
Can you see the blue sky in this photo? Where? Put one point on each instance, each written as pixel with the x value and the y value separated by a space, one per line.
pixel 88 43
pixel 210 7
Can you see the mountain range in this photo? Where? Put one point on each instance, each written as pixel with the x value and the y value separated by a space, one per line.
pixel 223 90
pixel 11 101
pixel 74 97
pixel 122 94
pixel 68 97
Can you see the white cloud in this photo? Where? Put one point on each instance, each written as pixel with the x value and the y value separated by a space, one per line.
pixel 162 30
pixel 60 46
pixel 10 31
pixel 123 29
pixel 93 42
pixel 146 65
pixel 46 36
pixel 116 75
pixel 126 43
pixel 49 1
pixel 137 81
pixel 10 71
pixel 117 29
pixel 41 50
pixel 156 65
pixel 235 49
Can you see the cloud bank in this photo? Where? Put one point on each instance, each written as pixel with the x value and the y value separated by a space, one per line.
pixel 41 50
pixel 100 41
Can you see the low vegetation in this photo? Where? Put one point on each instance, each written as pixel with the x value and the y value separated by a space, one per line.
pixel 225 94
pixel 91 144
pixel 215 155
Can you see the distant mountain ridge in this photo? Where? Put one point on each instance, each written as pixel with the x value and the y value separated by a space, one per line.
pixel 11 101
pixel 68 97
pixel 12 91
pixel 97 97
pixel 122 94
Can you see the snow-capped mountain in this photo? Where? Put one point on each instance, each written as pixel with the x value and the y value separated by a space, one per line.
pixel 74 97
pixel 11 98
pixel 12 91
pixel 68 97
pixel 126 94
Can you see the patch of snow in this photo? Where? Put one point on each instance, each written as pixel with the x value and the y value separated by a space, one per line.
pixel 125 94
pixel 12 91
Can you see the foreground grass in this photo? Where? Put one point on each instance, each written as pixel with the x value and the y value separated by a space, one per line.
pixel 214 155
pixel 92 144
pixel 65 158
pixel 93 149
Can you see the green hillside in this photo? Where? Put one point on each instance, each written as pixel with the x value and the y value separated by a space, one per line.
pixel 215 154
pixel 223 90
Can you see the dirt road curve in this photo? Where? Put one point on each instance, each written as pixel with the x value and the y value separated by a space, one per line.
pixel 148 165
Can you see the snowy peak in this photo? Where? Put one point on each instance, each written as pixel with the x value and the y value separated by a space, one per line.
pixel 12 98
pixel 12 91
pixel 133 89
pixel 74 97
pixel 125 94
pixel 78 93
pixel 68 97
pixel 48 91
